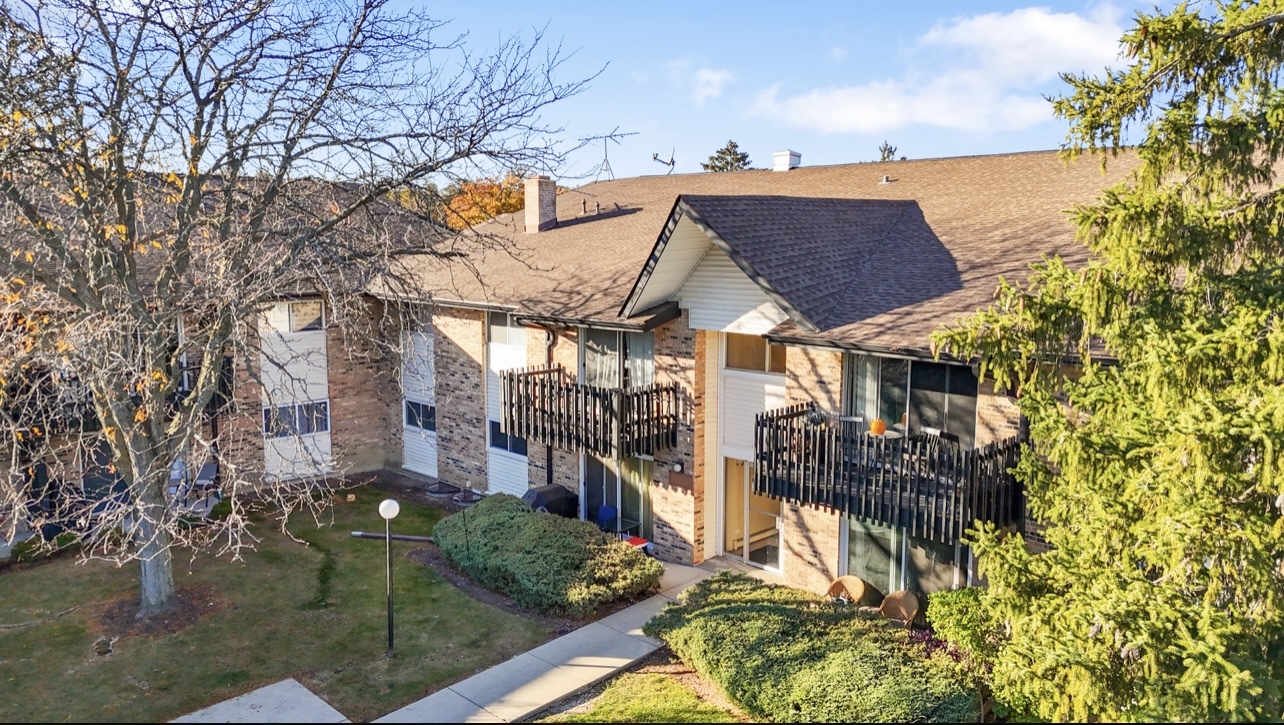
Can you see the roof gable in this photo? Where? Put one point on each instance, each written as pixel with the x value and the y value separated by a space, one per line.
pixel 825 262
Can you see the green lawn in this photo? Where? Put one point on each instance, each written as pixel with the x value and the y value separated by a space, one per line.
pixel 316 613
pixel 634 697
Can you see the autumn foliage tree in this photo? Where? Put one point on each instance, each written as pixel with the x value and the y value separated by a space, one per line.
pixel 1153 380
pixel 472 202
pixel 169 171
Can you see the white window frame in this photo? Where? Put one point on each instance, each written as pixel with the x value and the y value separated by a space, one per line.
pixel 267 410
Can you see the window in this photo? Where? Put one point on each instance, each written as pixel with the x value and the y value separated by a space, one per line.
pixel 301 419
pixel 503 329
pixel 614 359
pixel 913 395
pixel 889 559
pixel 943 397
pixel 752 352
pixel 307 316
pixel 504 442
pixel 421 415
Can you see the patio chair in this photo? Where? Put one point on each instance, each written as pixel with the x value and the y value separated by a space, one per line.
pixel 207 479
pixel 901 606
pixel 606 516
pixel 850 589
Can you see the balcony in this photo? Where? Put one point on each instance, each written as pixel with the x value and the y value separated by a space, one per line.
pixel 545 405
pixel 920 483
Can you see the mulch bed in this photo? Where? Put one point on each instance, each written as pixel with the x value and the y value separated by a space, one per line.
pixel 117 618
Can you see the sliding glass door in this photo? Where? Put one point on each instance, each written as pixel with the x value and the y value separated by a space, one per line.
pixel 751 523
pixel 888 559
pixel 913 396
pixel 618 360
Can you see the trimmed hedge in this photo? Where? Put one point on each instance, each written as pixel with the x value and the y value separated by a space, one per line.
pixel 786 655
pixel 544 562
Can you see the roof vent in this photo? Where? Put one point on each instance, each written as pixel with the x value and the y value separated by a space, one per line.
pixel 786 160
pixel 886 180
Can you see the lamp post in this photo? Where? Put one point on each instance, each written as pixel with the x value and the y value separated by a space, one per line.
pixel 389 509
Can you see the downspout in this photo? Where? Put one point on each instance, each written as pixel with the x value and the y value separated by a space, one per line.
pixel 550 339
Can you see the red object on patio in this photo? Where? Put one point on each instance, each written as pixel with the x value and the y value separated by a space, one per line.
pixel 638 542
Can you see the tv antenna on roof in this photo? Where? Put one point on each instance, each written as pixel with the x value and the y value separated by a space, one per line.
pixel 670 163
pixel 605 166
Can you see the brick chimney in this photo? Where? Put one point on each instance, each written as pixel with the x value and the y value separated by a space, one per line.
pixel 541 204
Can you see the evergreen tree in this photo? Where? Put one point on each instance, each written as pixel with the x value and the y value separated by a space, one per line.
pixel 886 152
pixel 727 158
pixel 1159 476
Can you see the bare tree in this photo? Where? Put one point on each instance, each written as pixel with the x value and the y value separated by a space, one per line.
pixel 170 170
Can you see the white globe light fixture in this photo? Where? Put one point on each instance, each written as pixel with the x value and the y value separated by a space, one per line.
pixel 388 509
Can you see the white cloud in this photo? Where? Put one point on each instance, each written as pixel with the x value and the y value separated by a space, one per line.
pixel 983 72
pixel 837 53
pixel 707 83
pixel 702 83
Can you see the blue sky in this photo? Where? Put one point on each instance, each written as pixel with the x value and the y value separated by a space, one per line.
pixel 830 80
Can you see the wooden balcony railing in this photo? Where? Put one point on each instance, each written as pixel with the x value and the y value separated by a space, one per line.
pixel 545 405
pixel 919 483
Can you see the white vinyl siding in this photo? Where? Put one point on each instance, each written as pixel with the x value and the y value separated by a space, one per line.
pixel 297 456
pixel 295 372
pixel 418 371
pixel 418 384
pixel 508 472
pixel 743 396
pixel 721 297
pixel 294 368
pixel 686 246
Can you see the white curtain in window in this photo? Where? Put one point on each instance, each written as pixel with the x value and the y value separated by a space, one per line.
pixel 602 358
pixel 639 359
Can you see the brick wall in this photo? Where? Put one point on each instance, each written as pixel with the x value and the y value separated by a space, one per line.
pixel 566 464
pixel 997 415
pixel 674 504
pixel 240 437
pixel 566 352
pixel 460 344
pixel 704 496
pixel 814 375
pixel 810 536
pixel 365 397
pixel 810 547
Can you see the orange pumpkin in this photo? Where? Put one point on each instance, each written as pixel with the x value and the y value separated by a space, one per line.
pixel 877 427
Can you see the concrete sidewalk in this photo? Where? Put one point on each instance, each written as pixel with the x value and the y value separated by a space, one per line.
pixel 532 681
pixel 286 701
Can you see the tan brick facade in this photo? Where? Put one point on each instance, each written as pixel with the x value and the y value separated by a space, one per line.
pixel 240 437
pixel 365 400
pixel 460 344
pixel 812 374
pixel 675 506
pixel 997 415
pixel 810 547
pixel 706 481
pixel 565 352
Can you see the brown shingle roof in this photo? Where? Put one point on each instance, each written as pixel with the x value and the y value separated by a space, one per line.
pixel 864 271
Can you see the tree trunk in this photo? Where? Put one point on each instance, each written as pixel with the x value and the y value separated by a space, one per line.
pixel 157 574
